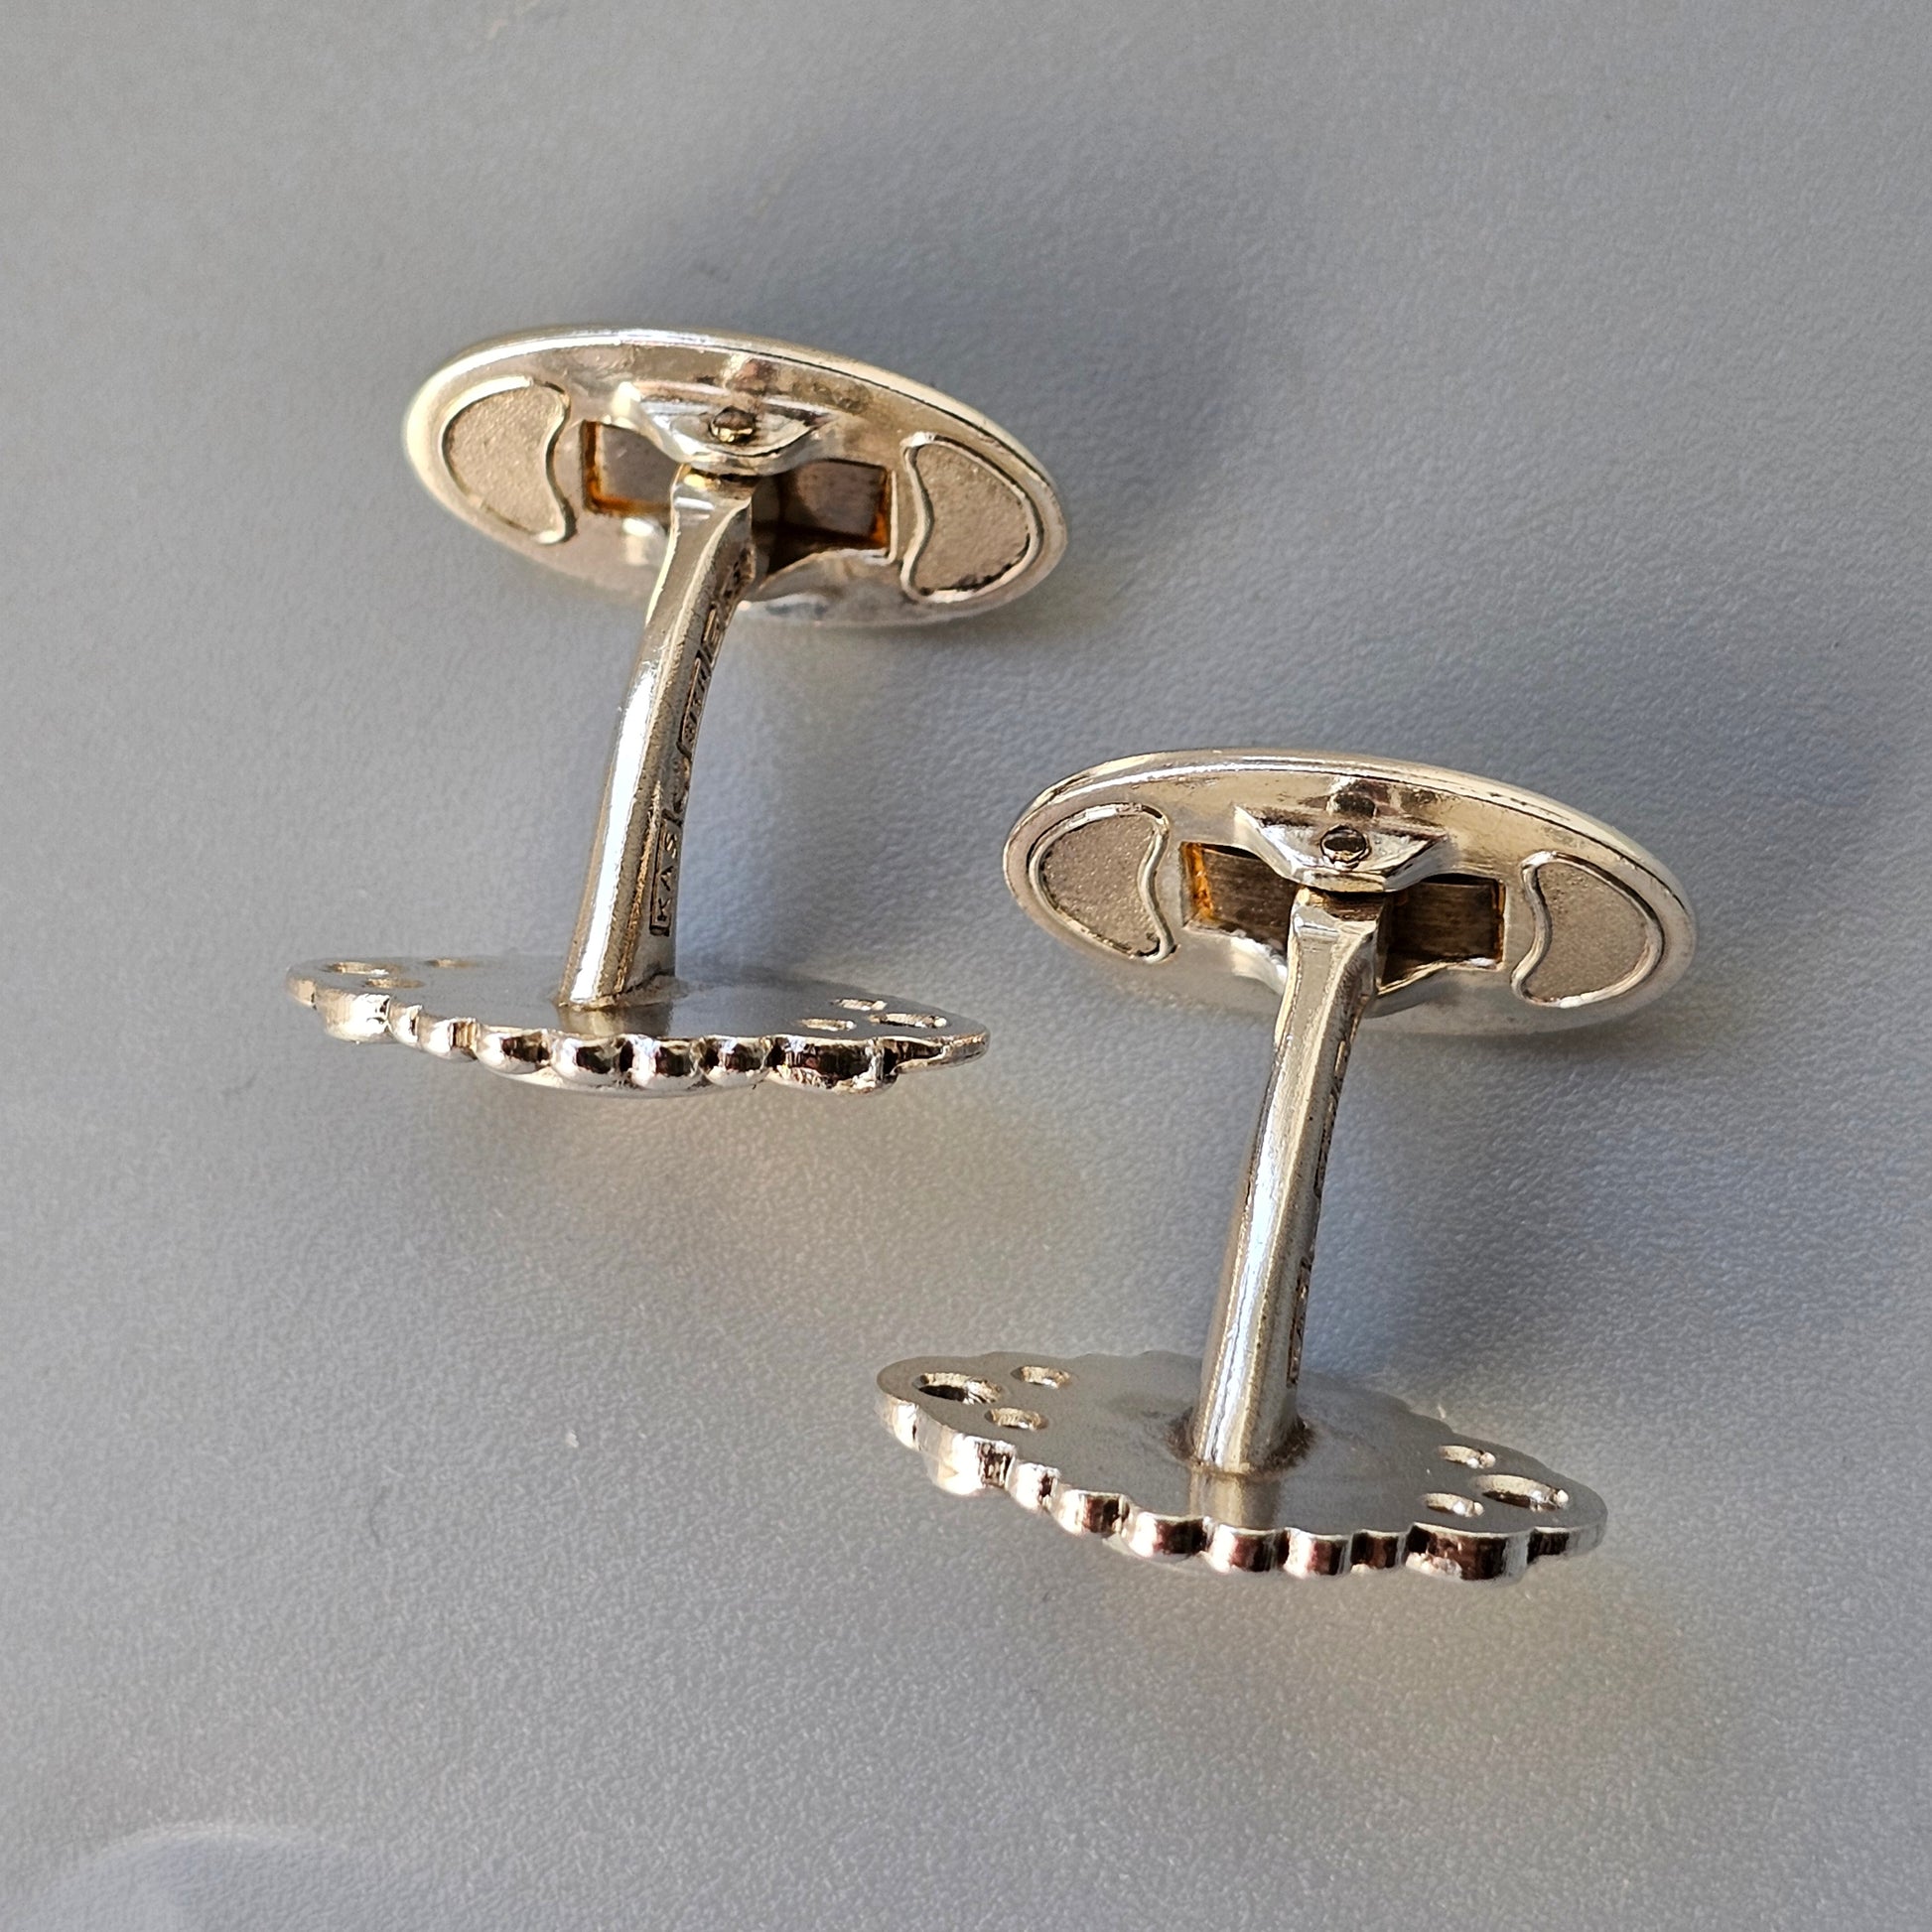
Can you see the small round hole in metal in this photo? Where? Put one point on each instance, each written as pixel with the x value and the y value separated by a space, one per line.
pixel 1041 1376
pixel 949 1386
pixel 1524 1493
pixel 1024 1419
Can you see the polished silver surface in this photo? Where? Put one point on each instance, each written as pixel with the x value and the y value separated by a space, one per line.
pixel 1098 1444
pixel 1346 886
pixel 1180 865
pixel 1537 390
pixel 703 472
pixel 671 1037
pixel 887 501
pixel 1246 1412
pixel 626 927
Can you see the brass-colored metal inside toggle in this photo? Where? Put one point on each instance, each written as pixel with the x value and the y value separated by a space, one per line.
pixel 1447 920
pixel 831 504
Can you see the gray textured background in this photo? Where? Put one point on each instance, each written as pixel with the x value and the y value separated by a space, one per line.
pixel 429 1504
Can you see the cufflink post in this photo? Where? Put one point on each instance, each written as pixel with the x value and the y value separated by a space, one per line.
pixel 704 473
pixel 1337 891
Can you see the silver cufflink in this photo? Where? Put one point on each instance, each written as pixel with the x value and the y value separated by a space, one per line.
pixel 1333 889
pixel 705 471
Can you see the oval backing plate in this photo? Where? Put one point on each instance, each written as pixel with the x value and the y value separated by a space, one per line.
pixel 887 502
pixel 1506 910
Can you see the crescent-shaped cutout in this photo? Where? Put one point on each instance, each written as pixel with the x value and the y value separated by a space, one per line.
pixel 497 448
pixel 1594 938
pixel 976 528
pixel 1096 873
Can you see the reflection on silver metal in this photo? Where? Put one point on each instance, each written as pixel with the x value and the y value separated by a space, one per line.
pixel 669 1039
pixel 1098 1443
pixel 1513 911
pixel 1254 1348
pixel 625 926
pixel 703 472
pixel 938 511
pixel 1349 890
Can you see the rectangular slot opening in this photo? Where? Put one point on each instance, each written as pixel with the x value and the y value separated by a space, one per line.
pixel 831 504
pixel 1448 920
pixel 625 473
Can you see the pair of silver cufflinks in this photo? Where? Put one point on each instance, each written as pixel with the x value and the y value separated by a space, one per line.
pixel 1329 889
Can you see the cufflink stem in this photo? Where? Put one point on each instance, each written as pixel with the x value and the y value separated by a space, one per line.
pixel 1337 890
pixel 1245 1419
pixel 626 929
pixel 698 471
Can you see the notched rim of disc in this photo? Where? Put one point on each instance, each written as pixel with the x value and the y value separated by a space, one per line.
pixel 508 437
pixel 1156 863
pixel 1097 1445
pixel 688 1038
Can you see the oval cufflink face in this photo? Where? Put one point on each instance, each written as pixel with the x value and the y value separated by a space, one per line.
pixel 881 502
pixel 1504 910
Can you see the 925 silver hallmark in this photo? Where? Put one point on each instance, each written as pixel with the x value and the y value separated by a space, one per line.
pixel 1336 890
pixel 711 471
